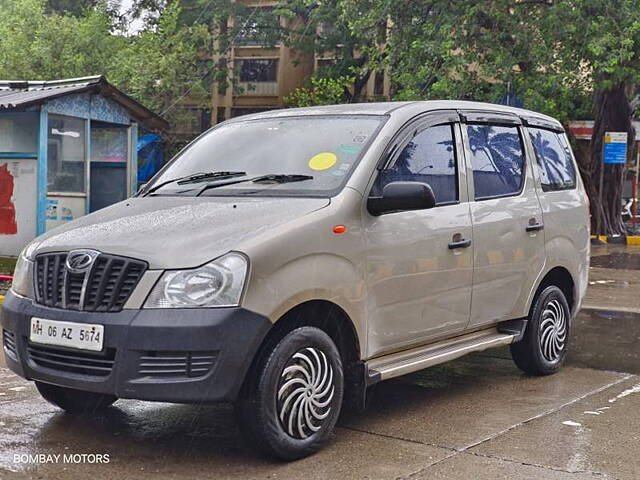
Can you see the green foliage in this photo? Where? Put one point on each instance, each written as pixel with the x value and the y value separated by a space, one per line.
pixel 322 91
pixel 324 30
pixel 156 67
pixel 38 46
pixel 159 65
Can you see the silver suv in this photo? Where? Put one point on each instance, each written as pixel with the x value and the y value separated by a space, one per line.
pixel 286 261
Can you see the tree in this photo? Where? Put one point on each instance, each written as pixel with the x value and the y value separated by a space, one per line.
pixel 559 57
pixel 39 46
pixel 159 67
pixel 603 36
pixel 324 30
pixel 322 91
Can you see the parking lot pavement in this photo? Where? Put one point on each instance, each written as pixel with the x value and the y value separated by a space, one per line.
pixel 477 417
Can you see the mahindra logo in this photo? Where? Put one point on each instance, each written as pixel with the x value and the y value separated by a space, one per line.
pixel 79 261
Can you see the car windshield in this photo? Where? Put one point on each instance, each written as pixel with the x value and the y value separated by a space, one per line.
pixel 326 148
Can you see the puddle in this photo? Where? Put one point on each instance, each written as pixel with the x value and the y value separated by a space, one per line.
pixel 629 391
pixel 571 423
pixel 617 260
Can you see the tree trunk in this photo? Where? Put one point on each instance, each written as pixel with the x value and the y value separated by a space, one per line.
pixel 613 113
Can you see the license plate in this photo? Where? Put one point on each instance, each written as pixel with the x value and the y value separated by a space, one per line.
pixel 83 336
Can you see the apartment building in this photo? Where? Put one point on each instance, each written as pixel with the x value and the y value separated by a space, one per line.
pixel 261 76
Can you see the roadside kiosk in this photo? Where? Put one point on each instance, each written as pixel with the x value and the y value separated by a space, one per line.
pixel 67 148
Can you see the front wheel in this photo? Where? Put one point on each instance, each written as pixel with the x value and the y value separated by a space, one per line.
pixel 292 399
pixel 75 401
pixel 543 349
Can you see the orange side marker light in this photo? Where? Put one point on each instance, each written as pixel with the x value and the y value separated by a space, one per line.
pixel 339 229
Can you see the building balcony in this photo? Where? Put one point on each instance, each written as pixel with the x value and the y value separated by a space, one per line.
pixel 257 89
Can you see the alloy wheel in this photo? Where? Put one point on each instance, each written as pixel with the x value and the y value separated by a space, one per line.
pixel 553 331
pixel 305 393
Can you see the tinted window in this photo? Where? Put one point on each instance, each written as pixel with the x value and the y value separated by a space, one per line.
pixel 429 157
pixel 554 160
pixel 497 159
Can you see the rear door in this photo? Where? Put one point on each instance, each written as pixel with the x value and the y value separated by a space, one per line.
pixel 508 235
pixel 419 286
pixel 564 203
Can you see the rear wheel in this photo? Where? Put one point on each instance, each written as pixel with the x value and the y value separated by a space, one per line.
pixel 75 401
pixel 292 399
pixel 543 349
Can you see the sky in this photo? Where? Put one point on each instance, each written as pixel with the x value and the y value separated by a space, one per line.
pixel 136 25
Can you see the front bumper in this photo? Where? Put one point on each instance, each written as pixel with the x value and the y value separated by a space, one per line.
pixel 172 355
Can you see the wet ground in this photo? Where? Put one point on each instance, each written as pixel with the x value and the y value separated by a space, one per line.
pixel 475 418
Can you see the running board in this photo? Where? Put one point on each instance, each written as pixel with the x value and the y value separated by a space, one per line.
pixel 401 363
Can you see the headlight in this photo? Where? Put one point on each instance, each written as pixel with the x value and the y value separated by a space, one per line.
pixel 216 284
pixel 22 277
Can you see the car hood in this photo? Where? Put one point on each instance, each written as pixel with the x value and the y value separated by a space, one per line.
pixel 174 232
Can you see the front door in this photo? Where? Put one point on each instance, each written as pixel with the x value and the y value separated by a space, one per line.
pixel 419 263
pixel 509 250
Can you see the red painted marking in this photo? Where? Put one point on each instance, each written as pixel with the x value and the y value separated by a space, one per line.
pixel 8 225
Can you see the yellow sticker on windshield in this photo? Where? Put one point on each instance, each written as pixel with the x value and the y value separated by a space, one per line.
pixel 323 161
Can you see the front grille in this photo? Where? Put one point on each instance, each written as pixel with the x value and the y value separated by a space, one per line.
pixel 9 341
pixel 104 287
pixel 97 365
pixel 176 364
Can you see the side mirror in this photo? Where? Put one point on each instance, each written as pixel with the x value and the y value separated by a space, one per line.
pixel 399 196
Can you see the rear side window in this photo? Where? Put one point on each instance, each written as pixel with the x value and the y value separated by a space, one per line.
pixel 554 160
pixel 429 157
pixel 498 160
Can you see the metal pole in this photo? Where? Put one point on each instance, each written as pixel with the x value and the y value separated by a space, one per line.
pixel 600 209
pixel 635 191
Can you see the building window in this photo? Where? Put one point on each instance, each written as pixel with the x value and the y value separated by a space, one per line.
pixel 260 28
pixel 378 85
pixel 221 116
pixel 325 65
pixel 239 111
pixel 259 70
pixel 66 155
pixel 19 133
pixel 192 120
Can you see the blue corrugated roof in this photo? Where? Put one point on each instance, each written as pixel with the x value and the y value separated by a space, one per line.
pixel 20 94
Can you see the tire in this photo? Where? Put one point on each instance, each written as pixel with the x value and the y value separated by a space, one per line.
pixel 293 395
pixel 75 401
pixel 544 347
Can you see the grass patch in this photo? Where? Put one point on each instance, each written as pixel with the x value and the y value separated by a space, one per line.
pixel 7 265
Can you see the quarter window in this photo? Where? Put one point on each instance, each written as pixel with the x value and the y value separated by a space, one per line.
pixel 555 164
pixel 429 157
pixel 498 160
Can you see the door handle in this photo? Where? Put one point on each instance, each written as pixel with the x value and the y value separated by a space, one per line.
pixel 534 225
pixel 459 244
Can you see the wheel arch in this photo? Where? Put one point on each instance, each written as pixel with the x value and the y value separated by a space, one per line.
pixel 328 317
pixel 562 278
pixel 331 319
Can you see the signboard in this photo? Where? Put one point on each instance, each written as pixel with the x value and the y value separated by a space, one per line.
pixel 615 147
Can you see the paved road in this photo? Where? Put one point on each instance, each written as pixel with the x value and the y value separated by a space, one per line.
pixel 475 418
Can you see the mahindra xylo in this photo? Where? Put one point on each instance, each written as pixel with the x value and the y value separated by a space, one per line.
pixel 285 261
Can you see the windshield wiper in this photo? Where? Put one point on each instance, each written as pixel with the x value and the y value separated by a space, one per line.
pixel 195 178
pixel 270 178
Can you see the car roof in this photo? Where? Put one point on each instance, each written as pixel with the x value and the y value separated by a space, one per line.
pixel 399 109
